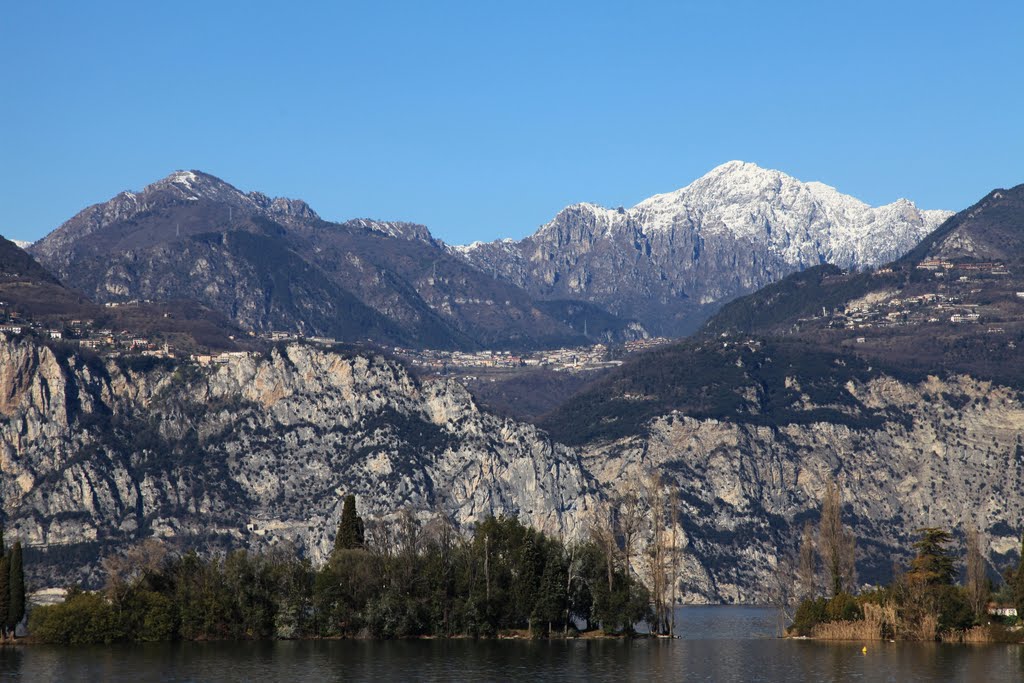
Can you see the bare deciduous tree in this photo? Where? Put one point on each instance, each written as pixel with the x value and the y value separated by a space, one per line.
pixel 807 565
pixel 656 553
pixel 602 531
pixel 836 544
pixel 128 569
pixel 629 519
pixel 976 586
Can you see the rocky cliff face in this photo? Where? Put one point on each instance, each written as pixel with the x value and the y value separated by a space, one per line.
pixel 949 455
pixel 673 258
pixel 96 454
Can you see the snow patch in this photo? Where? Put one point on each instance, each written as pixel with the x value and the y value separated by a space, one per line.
pixel 185 178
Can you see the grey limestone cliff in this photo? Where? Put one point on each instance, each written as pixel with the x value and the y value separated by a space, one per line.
pixel 261 448
pixel 256 450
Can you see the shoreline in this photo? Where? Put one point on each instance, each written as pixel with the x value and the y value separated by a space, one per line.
pixel 593 635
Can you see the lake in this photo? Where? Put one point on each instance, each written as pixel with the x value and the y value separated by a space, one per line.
pixel 717 644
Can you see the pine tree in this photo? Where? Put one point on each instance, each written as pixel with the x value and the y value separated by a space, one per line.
pixel 934 564
pixel 16 611
pixel 350 528
pixel 550 603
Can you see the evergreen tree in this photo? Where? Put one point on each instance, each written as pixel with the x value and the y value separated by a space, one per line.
pixel 549 607
pixel 5 591
pixel 16 610
pixel 350 528
pixel 934 564
pixel 1016 581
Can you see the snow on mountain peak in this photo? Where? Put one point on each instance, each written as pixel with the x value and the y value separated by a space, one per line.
pixel 803 223
pixel 185 178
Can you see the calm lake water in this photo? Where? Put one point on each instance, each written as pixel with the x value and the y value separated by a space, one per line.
pixel 719 644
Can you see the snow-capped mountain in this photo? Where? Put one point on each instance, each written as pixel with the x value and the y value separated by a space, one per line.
pixel 673 258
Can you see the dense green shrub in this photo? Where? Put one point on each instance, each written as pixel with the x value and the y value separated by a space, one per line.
pixel 843 607
pixel 809 614
pixel 81 618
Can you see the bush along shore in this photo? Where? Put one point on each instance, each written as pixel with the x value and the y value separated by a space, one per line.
pixel 923 602
pixel 423 580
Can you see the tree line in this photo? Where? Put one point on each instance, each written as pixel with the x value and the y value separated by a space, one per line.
pixel 924 600
pixel 413 576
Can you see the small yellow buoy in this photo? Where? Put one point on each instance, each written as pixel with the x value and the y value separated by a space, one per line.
pixel 864 650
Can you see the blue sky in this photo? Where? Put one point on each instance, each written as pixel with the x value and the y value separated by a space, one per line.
pixel 483 119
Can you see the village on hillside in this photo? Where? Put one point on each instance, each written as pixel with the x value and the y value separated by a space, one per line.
pixel 981 294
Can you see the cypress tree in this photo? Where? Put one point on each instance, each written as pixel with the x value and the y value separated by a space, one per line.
pixel 16 611
pixel 350 528
pixel 5 591
pixel 1017 581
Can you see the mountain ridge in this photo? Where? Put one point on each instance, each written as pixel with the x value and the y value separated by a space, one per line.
pixel 673 258
pixel 272 264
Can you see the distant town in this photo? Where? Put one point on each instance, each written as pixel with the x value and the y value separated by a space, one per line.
pixel 573 359
pixel 86 334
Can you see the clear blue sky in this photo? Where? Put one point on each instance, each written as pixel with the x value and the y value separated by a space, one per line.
pixel 482 119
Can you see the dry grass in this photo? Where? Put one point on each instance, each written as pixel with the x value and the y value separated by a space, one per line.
pixel 926 629
pixel 847 630
pixel 871 627
pixel 878 617
pixel 881 622
pixel 983 635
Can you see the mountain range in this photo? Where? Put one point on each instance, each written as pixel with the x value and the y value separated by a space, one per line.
pixel 589 275
pixel 275 265
pixel 674 258
pixel 861 377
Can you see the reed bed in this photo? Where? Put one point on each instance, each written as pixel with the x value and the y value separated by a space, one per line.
pixel 926 629
pixel 990 633
pixel 847 630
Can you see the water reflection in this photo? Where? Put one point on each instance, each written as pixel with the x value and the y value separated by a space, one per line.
pixel 728 644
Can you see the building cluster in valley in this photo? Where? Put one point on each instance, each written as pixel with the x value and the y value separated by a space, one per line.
pixel 86 333
pixel 569 359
